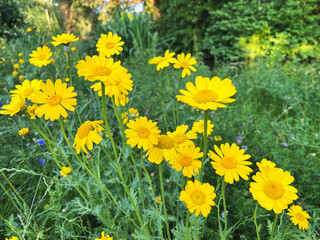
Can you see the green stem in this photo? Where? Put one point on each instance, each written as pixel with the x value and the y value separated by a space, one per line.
pixel 148 177
pixel 224 185
pixel 274 226
pixel 205 142
pixel 255 220
pixel 219 221
pixel 164 200
pixel 187 225
pixel 203 224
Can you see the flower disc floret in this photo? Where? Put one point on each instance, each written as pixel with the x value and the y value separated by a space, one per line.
pixel 230 162
pixel 198 197
pixel 208 94
pixel 41 57
pixel 64 38
pixel 299 217
pixel 272 190
pixel 55 98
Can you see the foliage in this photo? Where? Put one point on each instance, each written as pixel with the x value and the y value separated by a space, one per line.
pixel 10 17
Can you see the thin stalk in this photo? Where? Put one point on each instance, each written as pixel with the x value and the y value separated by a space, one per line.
pixel 164 200
pixel 187 225
pixel 203 224
pixel 274 226
pixel 255 220
pixel 205 142
pixel 224 185
pixel 219 221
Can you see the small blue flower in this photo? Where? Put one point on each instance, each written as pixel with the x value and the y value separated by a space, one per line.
pixel 244 147
pixel 250 119
pixel 239 139
pixel 284 144
pixel 41 161
pixel 40 141
pixel 1 104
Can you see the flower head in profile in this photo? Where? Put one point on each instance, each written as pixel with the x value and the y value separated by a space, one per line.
pixel 230 162
pixel 208 94
pixel 27 88
pixel 142 133
pixel 41 57
pixel 182 136
pixel 88 133
pixel 163 62
pixel 165 148
pixel 185 62
pixel 217 138
pixel 23 131
pixel 187 160
pixel 121 99
pixel 15 106
pixel 54 100
pixel 64 38
pixel 265 165
pixel 65 171
pixel 299 217
pixel 32 110
pixel 198 197
pixel 198 127
pixel 272 189
pixel 109 45
pixel 104 237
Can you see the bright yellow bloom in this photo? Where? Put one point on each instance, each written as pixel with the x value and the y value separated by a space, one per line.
pixel 230 162
pixel 73 49
pixel 54 99
pixel 16 66
pixel 109 45
pixel 217 138
pixel 20 54
pixel 166 148
pixel 21 77
pixel 32 110
pixel 28 88
pixel 29 29
pixel 265 165
pixel 185 62
pixel 188 160
pixel 65 171
pixel 21 61
pixel 133 113
pixel 103 237
pixel 64 38
pixel 15 106
pixel 121 99
pixel 163 62
pixel 41 56
pixel 181 136
pixel 4 47
pixel 142 133
pixel 199 127
pixel 158 200
pixel 14 73
pixel 198 197
pixel 87 134
pixel 272 190
pixel 124 117
pixel 67 79
pixel 23 131
pixel 13 238
pixel 3 59
pixel 208 94
pixel 299 217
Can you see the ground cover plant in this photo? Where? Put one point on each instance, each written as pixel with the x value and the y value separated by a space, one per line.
pixel 154 144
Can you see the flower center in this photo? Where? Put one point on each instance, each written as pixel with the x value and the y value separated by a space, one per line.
pixel 143 132
pixel 184 65
pixel 185 161
pixel 133 115
pixel 42 56
pixel 165 142
pixel 28 92
pixel 205 96
pixel 198 198
pixel 102 71
pixel 55 100
pixel 65 40
pixel 300 216
pixel 228 162
pixel 109 45
pixel 180 138
pixel 274 189
pixel 84 130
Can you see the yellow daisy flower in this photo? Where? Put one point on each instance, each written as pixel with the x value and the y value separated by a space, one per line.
pixel 21 61
pixel 163 62
pixel 103 237
pixel 109 45
pixel 4 47
pixel 185 62
pixel 21 77
pixel 230 162
pixel 208 94
pixel 133 113
pixel 121 99
pixel 142 133
pixel 31 110
pixel 265 165
pixel 20 54
pixel 299 217
pixel 198 127
pixel 27 88
pixel 181 136
pixel 41 56
pixel 15 106
pixel 54 99
pixel 16 66
pixel 88 133
pixel 14 73
pixel 158 200
pixel 166 148
pixel 73 49
pixel 198 197
pixel 187 160
pixel 217 138
pixel 124 117
pixel 29 29
pixel 23 131
pixel 13 238
pixel 65 171
pixel 64 38
pixel 272 190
